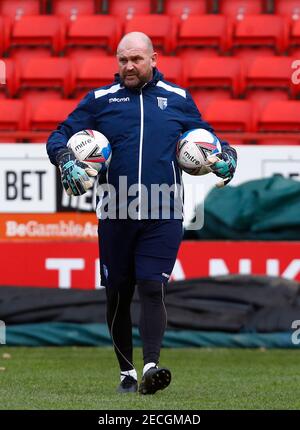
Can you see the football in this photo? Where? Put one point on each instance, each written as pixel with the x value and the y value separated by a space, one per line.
pixel 193 148
pixel 92 147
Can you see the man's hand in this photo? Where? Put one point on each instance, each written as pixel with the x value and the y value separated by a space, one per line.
pixel 75 175
pixel 224 164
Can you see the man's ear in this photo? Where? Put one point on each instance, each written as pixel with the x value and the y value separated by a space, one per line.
pixel 154 59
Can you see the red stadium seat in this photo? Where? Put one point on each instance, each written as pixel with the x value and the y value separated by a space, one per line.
pixel 261 30
pixel 70 9
pixel 190 55
pixel 42 30
pixel 288 8
pixel 271 72
pixel 53 73
pixel 4 34
pixel 184 8
pixel 12 116
pixel 202 98
pixel 1 36
pixel 218 72
pixel 7 77
pixel 94 72
pixel 78 55
pixel 126 9
pixel 260 98
pixel 32 100
pixel 35 97
pixel 295 52
pixel 159 28
pixel 46 115
pixel 23 55
pixel 17 8
pixel 280 115
pixel 295 34
pixel 205 31
pixel 248 55
pixel 94 30
pixel 238 8
pixel 230 115
pixel 171 67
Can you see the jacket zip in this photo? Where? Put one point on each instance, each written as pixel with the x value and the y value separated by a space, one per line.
pixel 107 181
pixel 181 194
pixel 141 153
pixel 175 181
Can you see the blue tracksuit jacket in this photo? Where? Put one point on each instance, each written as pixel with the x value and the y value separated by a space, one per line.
pixel 143 127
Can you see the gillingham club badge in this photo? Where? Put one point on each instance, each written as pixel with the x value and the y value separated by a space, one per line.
pixel 162 103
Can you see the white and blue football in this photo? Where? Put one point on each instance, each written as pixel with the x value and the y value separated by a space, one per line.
pixel 91 147
pixel 193 149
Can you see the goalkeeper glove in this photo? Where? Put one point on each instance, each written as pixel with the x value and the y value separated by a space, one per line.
pixel 224 164
pixel 75 175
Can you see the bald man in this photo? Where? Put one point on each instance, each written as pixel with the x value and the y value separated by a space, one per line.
pixel 143 117
pixel 136 59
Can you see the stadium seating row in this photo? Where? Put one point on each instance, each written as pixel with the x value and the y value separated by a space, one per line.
pixel 224 115
pixel 127 8
pixel 167 33
pixel 231 74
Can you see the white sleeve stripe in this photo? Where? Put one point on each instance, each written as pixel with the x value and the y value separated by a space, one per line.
pixel 176 90
pixel 111 90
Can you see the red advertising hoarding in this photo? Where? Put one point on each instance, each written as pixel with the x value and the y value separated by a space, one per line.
pixel 76 264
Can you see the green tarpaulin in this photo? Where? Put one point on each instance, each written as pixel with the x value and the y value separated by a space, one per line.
pixel 264 209
pixel 62 334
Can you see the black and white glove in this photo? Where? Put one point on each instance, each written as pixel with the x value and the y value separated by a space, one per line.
pixel 75 175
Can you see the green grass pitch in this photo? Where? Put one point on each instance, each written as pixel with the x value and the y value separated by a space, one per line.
pixel 87 377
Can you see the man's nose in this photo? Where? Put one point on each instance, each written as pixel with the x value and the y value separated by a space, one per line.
pixel 129 65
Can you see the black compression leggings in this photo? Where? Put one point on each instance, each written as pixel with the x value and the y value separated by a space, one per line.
pixel 152 324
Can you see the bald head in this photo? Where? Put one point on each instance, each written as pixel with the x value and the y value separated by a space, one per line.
pixel 135 39
pixel 136 59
